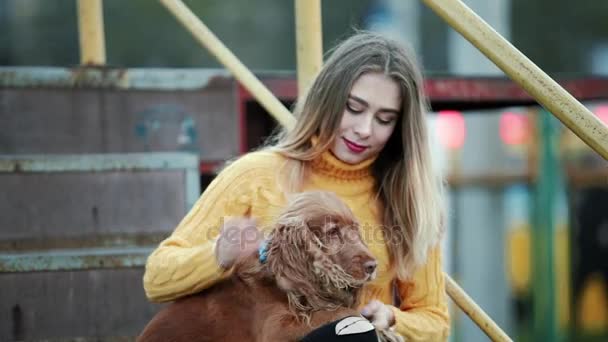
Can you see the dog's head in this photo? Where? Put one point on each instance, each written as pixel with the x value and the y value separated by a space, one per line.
pixel 316 253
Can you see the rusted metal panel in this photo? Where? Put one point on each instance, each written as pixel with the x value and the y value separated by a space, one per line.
pixel 94 304
pixel 111 210
pixel 282 84
pixel 108 110
pixel 472 90
pixel 53 205
pixel 503 90
pixel 80 211
pixel 76 121
pixel 94 197
pixel 186 162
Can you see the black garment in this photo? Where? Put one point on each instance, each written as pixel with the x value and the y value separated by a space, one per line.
pixel 328 333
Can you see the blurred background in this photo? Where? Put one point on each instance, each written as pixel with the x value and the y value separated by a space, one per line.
pixel 98 164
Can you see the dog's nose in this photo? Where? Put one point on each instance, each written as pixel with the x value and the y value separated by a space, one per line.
pixel 370 266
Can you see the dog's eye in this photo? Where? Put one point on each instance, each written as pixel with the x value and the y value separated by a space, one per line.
pixel 335 231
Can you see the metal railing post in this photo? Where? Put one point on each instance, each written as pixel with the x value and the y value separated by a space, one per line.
pixel 309 40
pixel 91 32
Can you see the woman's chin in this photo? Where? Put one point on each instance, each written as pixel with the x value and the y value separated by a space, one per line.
pixel 349 157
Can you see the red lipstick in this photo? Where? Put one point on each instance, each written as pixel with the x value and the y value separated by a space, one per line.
pixel 355 148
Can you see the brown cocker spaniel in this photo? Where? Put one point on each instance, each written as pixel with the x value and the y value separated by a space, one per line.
pixel 312 267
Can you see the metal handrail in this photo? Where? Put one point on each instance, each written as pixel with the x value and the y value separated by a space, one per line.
pixel 202 33
pixel 524 72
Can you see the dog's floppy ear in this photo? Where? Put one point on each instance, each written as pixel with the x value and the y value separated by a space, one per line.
pixel 288 244
pixel 286 251
pixel 298 230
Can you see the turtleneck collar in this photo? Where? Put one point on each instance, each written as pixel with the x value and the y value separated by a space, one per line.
pixel 328 164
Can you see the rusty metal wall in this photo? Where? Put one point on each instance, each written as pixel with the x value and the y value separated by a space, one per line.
pixel 97 166
pixel 69 304
pixel 160 112
pixel 52 206
pixel 75 233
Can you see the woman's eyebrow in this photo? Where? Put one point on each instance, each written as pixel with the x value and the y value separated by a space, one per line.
pixel 358 99
pixel 363 102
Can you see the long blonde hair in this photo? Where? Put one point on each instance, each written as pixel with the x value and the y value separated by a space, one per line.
pixel 409 191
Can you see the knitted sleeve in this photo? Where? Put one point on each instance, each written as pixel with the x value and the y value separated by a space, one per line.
pixel 185 262
pixel 423 313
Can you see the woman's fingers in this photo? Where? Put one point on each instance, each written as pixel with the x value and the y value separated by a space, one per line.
pixel 371 308
pixel 238 237
pixel 380 315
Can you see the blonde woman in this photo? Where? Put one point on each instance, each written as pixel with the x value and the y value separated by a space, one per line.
pixel 360 133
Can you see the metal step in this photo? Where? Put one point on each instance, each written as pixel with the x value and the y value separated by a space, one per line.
pixel 74 259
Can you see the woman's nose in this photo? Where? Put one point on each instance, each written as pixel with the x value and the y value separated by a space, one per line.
pixel 363 128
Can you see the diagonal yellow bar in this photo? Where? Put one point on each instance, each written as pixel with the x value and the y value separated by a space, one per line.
pixel 521 70
pixel 229 60
pixel 309 41
pixel 279 112
pixel 477 315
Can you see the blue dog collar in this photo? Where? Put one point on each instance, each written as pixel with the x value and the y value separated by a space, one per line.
pixel 263 251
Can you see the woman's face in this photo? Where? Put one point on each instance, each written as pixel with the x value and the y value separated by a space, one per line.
pixel 370 116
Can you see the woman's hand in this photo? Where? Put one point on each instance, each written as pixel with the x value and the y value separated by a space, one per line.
pixel 379 314
pixel 238 237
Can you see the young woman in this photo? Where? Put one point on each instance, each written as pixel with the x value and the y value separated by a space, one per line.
pixel 361 133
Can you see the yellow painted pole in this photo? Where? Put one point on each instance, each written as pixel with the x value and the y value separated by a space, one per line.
pixel 519 68
pixel 309 41
pixel 279 112
pixel 230 61
pixel 469 307
pixel 91 34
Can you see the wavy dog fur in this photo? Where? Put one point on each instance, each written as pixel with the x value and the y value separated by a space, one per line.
pixel 311 279
pixel 316 263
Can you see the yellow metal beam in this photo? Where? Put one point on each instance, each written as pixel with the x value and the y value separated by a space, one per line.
pixel 200 31
pixel 91 33
pixel 519 68
pixel 309 41
pixel 469 307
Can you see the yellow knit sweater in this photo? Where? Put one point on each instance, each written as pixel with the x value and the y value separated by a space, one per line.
pixel 185 262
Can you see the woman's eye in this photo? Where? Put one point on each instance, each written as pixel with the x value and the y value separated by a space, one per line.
pixel 384 121
pixel 353 109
